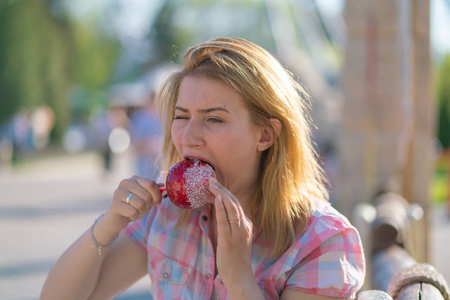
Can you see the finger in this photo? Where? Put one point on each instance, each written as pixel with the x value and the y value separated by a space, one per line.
pixel 136 194
pixel 163 190
pixel 131 185
pixel 137 202
pixel 152 188
pixel 234 218
pixel 129 211
pixel 121 207
pixel 231 209
pixel 213 181
pixel 232 206
pixel 219 187
pixel 223 227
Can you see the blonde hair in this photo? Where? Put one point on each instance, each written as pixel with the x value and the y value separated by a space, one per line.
pixel 291 174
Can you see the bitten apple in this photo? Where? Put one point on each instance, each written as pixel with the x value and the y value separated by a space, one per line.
pixel 187 184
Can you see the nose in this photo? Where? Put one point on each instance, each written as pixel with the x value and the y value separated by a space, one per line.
pixel 192 134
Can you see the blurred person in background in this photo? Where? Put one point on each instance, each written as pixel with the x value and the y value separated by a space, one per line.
pixel 41 121
pixel 102 124
pixel 21 135
pixel 270 234
pixel 146 138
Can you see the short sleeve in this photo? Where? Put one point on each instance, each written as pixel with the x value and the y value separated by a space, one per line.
pixel 336 268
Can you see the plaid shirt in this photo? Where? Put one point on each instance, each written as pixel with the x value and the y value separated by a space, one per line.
pixel 327 259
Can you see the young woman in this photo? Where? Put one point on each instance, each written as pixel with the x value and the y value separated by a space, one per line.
pixel 270 233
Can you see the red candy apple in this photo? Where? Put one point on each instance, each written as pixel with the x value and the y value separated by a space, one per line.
pixel 187 184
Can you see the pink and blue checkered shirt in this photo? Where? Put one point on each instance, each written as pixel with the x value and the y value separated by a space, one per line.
pixel 327 259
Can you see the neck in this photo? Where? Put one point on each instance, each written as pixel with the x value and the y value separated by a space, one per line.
pixel 243 189
pixel 245 195
pixel 244 200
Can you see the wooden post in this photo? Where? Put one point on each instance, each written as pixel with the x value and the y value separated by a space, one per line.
pixel 374 295
pixel 418 168
pixel 420 291
pixel 389 236
pixel 373 114
pixel 420 281
pixel 363 216
pixel 388 262
pixel 387 123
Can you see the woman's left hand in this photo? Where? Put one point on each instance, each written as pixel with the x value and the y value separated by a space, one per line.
pixel 234 237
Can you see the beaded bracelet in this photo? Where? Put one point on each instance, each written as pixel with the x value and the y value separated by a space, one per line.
pixel 94 242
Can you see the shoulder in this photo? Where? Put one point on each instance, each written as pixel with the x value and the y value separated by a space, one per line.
pixel 324 222
pixel 329 255
pixel 327 230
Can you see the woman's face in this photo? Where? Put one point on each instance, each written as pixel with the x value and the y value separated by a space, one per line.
pixel 211 123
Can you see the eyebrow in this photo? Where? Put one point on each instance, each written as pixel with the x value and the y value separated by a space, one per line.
pixel 205 110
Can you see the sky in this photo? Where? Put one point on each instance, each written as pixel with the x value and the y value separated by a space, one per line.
pixel 439 21
pixel 440 25
pixel 136 15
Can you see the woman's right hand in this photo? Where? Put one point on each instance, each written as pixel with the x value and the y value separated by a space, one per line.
pixel 144 193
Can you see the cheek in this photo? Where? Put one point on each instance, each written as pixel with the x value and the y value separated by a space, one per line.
pixel 237 146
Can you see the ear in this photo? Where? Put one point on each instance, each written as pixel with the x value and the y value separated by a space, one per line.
pixel 268 134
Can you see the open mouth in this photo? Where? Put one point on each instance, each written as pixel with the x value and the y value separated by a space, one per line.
pixel 199 160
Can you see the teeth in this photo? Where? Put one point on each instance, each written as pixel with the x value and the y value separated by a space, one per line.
pixel 199 161
pixel 195 160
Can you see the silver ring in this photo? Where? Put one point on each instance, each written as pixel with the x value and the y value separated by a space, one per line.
pixel 129 197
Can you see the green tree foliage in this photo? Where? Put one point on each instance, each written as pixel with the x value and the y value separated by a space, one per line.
pixel 35 64
pixel 95 55
pixel 180 24
pixel 44 54
pixel 166 37
pixel 443 97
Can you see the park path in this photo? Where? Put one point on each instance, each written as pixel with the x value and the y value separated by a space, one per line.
pixel 45 205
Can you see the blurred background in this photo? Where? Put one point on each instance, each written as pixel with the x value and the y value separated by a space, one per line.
pixel 78 80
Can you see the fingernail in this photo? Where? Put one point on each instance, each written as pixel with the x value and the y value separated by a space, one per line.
pixel 213 183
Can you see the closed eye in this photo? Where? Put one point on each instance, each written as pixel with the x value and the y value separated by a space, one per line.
pixel 214 120
pixel 180 118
